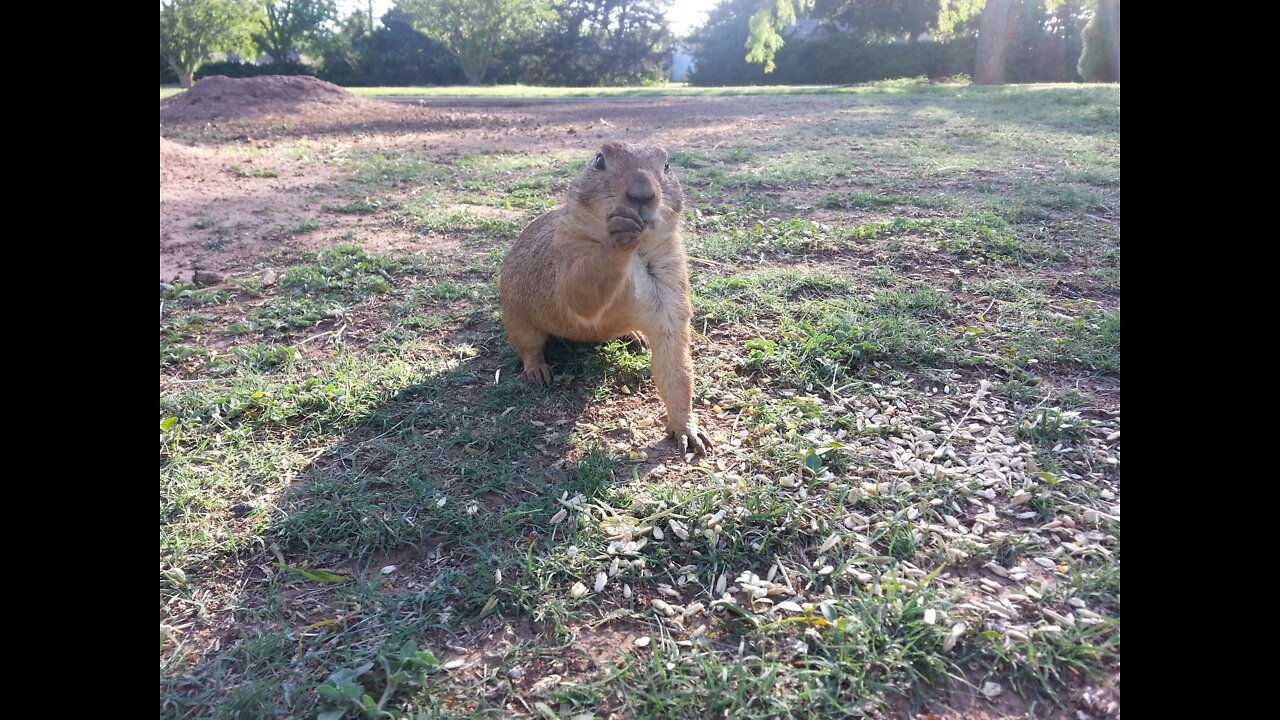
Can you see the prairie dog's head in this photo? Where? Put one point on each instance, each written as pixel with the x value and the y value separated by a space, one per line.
pixel 634 175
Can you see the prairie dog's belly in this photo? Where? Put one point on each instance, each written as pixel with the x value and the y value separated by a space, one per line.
pixel 628 309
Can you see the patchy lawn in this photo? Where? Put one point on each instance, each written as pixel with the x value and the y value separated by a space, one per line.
pixel 907 305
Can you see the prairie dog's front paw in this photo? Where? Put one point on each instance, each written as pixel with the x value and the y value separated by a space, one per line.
pixel 690 438
pixel 625 226
pixel 538 373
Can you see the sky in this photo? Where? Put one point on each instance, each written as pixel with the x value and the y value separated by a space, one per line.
pixel 683 16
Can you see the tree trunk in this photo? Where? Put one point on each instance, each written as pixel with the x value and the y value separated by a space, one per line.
pixel 994 34
pixel 1112 10
pixel 184 76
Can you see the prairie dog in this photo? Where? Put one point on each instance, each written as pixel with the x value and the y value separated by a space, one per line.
pixel 606 263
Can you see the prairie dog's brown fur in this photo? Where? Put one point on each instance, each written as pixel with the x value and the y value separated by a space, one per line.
pixel 609 262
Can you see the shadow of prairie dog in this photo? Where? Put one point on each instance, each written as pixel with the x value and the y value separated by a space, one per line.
pixel 606 263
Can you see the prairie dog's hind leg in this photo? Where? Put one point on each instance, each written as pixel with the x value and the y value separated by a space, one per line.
pixel 636 340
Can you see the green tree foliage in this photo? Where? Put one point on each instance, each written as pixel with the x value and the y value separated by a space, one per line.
pixel 718 46
pixel 882 19
pixel 1100 59
pixel 833 57
pixel 849 46
pixel 237 69
pixel 764 37
pixel 287 27
pixel 954 15
pixel 864 40
pixel 393 54
pixel 871 19
pixel 1031 40
pixel 1047 42
pixel 475 31
pixel 192 30
pixel 600 42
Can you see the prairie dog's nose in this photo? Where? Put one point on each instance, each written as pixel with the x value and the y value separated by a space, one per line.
pixel 641 189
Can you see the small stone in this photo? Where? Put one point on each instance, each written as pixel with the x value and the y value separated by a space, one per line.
pixel 207 277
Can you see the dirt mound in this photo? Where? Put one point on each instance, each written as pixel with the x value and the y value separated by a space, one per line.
pixel 223 98
pixel 171 151
pixel 180 161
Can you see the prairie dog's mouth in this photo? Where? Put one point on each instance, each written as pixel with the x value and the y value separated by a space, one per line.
pixel 650 218
pixel 650 215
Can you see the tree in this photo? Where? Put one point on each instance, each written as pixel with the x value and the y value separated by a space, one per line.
pixel 994 33
pixel 878 19
pixel 288 25
pixel 764 38
pixel 954 15
pixel 476 30
pixel 1046 23
pixel 1046 46
pixel 192 30
pixel 854 41
pixel 397 54
pixel 1110 9
pixel 718 46
pixel 1040 34
pixel 866 18
pixel 601 42
pixel 1100 60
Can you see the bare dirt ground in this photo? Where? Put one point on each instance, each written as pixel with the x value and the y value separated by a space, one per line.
pixel 215 137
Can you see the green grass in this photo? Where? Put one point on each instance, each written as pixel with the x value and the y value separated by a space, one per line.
pixel 669 89
pixel 782 237
pixel 908 354
pixel 873 201
pixel 528 91
pixel 244 172
pixel 302 227
pixel 676 89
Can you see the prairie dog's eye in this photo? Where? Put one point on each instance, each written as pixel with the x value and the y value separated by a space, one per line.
pixel 666 167
pixel 599 163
